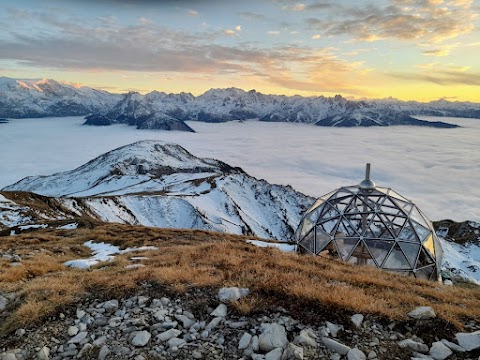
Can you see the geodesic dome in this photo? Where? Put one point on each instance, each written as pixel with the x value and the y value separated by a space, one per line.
pixel 371 225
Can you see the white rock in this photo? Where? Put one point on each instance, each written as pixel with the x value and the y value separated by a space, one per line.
pixel 356 354
pixel 275 354
pixel 336 346
pixel 110 305
pixel 186 321
pixel 423 312
pixel 78 338
pixel 84 350
pixel 244 341
pixel 72 330
pixel 293 352
pixel 414 346
pixel 220 311
pixel 372 355
pixel 273 336
pixel 214 323
pixel 469 341
pixel 255 344
pixel 357 319
pixel 305 338
pixel 232 293
pixel 169 334
pixel 448 282
pixel 452 346
pixel 334 328
pixel 44 353
pixel 140 338
pixel 80 314
pixel 439 351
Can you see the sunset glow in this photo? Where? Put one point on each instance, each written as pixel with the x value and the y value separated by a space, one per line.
pixel 407 49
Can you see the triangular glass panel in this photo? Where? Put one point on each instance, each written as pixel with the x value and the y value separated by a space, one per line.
pixel 429 245
pixel 379 249
pixel 411 251
pixel 355 222
pixel 425 258
pixel 361 255
pixel 308 242
pixel 397 196
pixel 329 226
pixel 344 229
pixel 425 273
pixel 362 204
pixel 315 214
pixel 406 207
pixel 376 229
pixel 421 231
pixel 321 240
pixel 329 212
pixel 306 226
pixel 415 215
pixel 408 233
pixel 342 204
pixel 315 205
pixel 396 260
pixel 394 223
pixel 345 246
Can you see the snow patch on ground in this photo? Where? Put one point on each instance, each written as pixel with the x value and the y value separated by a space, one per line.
pixel 462 260
pixel 103 252
pixel 71 226
pixel 34 226
pixel 281 247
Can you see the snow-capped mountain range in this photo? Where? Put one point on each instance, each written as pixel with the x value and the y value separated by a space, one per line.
pixel 159 110
pixel 157 184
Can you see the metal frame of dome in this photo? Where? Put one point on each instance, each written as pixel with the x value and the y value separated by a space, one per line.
pixel 371 225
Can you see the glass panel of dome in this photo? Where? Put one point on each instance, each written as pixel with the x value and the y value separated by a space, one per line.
pixel 345 229
pixel 314 215
pixel 424 258
pixel 396 260
pixel 377 229
pixel 425 273
pixel 345 246
pixel 355 222
pixel 308 242
pixel 315 204
pixel 407 233
pixel 361 255
pixel 321 239
pixel 397 196
pixel 394 223
pixel 361 204
pixel 411 251
pixel 415 215
pixel 329 226
pixel 328 212
pixel 307 225
pixel 379 249
pixel 405 207
pixel 429 245
pixel 422 232
pixel 438 248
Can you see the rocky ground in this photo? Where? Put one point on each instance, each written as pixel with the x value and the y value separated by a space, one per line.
pixel 197 325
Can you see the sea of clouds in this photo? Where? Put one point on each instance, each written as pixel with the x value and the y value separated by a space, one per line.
pixel 439 169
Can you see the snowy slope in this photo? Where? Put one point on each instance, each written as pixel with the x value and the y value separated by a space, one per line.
pixel 158 184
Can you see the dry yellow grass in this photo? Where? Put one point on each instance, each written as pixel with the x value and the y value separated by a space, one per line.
pixel 189 259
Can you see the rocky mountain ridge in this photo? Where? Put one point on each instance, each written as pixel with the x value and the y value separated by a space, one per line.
pixel 159 110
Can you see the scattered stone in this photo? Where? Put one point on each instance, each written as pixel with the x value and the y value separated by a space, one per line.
pixel 78 338
pixel 356 354
pixel 336 346
pixel 220 311
pixel 197 354
pixel 169 334
pixel 333 328
pixel 140 338
pixel 175 342
pixel 103 353
pixel 3 302
pixel 84 350
pixel 244 341
pixel 452 346
pixel 423 312
pixel 186 321
pixel 439 351
pixel 275 354
pixel 20 332
pixel 232 293
pixel 273 336
pixel 357 320
pixel 72 330
pixel 293 352
pixel 414 346
pixel 469 341
pixel 306 338
pixel 372 355
pixel 44 353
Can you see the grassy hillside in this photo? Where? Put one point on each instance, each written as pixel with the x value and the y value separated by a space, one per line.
pixel 188 259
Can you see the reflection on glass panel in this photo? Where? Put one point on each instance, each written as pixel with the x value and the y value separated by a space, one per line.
pixel 406 207
pixel 422 232
pixel 424 258
pixel 379 249
pixel 308 242
pixel 415 215
pixel 396 260
pixel 316 204
pixel 407 233
pixel 313 215
pixel 438 248
pixel 330 225
pixel 425 273
pixel 321 239
pixel 361 256
pixel 329 212
pixel 376 229
pixel 429 245
pixel 345 246
pixel 307 225
pixel 355 221
pixel 344 229
pixel 411 251
pixel 397 196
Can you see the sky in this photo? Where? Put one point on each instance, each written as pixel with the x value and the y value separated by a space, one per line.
pixel 408 49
